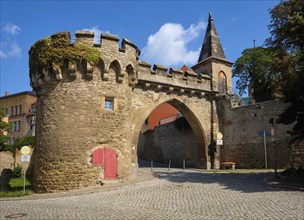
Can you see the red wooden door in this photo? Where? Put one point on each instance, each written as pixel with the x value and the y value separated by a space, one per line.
pixel 106 157
pixel 110 167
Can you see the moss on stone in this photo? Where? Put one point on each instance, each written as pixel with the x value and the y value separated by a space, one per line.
pixel 59 49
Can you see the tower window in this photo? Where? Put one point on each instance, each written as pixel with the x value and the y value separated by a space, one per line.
pixel 108 104
pixel 222 84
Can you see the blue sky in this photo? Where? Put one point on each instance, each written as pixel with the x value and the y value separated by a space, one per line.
pixel 167 32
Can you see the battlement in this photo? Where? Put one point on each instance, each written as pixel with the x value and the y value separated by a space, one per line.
pixel 57 58
pixel 172 79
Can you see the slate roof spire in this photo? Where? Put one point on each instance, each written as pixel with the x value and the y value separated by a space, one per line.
pixel 212 46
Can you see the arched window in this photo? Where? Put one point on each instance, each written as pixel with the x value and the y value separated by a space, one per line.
pixel 222 84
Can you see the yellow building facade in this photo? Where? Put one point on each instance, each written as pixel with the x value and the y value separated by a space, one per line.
pixel 20 110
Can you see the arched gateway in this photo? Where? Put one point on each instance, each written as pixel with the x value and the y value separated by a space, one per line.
pixel 94 98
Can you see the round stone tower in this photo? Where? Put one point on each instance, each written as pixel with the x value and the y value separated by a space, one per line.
pixel 83 91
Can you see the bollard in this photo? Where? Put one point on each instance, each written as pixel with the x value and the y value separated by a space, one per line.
pixel 169 165
pixel 184 164
pixel 151 165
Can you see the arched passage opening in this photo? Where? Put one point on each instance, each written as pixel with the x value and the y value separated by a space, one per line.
pixel 178 136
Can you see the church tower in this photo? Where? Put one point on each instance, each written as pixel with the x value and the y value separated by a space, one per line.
pixel 212 61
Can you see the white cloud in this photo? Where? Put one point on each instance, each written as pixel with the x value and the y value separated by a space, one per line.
pixel 11 29
pixel 97 32
pixel 9 49
pixel 2 54
pixel 169 45
pixel 8 45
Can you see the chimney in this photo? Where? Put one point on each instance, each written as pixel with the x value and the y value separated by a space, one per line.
pixel 6 93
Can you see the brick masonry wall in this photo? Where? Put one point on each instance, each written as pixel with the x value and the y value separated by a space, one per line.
pixel 242 144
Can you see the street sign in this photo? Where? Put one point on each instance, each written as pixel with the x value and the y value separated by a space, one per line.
pixel 25 158
pixel 262 132
pixel 25 150
pixel 219 142
pixel 219 136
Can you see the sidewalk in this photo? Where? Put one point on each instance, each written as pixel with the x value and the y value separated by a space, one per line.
pixel 142 176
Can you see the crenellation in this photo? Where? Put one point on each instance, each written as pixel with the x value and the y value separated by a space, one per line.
pixel 129 47
pixel 85 37
pixel 160 70
pixel 176 73
pixel 66 35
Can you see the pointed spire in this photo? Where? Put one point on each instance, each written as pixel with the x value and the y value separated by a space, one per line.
pixel 210 17
pixel 212 46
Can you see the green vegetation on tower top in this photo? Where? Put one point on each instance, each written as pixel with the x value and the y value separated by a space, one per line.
pixel 58 49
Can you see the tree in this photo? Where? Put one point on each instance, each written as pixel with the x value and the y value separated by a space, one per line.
pixel 4 127
pixel 286 29
pixel 254 70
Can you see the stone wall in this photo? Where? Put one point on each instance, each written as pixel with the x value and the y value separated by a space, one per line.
pixel 7 161
pixel 174 141
pixel 242 143
pixel 297 154
pixel 72 121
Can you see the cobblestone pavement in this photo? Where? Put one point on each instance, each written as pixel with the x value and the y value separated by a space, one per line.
pixel 174 195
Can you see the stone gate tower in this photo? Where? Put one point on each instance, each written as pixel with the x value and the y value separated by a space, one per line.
pixel 94 98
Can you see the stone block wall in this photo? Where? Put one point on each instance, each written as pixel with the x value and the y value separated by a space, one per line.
pixel 297 154
pixel 72 121
pixel 242 143
pixel 173 141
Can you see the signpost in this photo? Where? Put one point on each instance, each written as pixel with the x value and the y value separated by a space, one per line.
pixel 219 137
pixel 25 157
pixel 264 133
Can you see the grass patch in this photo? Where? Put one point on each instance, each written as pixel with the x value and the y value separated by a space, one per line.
pixel 17 188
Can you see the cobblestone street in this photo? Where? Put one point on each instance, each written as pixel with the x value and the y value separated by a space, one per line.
pixel 174 195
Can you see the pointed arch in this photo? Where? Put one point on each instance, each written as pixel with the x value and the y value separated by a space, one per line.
pixel 190 116
pixel 222 83
pixel 131 74
pixel 116 69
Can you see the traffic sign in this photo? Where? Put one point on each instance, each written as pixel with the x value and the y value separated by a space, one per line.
pixel 219 136
pixel 25 150
pixel 219 142
pixel 262 132
pixel 25 158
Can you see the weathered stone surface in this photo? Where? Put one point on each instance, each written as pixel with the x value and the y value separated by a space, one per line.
pixel 297 154
pixel 72 121
pixel 174 141
pixel 243 144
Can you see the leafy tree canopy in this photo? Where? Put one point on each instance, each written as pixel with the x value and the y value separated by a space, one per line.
pixel 254 70
pixel 286 28
pixel 4 127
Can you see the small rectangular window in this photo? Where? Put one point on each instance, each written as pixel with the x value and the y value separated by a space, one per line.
pixel 6 111
pixel 108 104
pixel 16 110
pixel 20 109
pixel 15 126
pixel 19 125
pixel 12 110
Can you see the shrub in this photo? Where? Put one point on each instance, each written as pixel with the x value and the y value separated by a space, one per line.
pixel 17 171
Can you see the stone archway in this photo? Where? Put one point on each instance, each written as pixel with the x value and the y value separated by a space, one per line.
pixel 201 158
